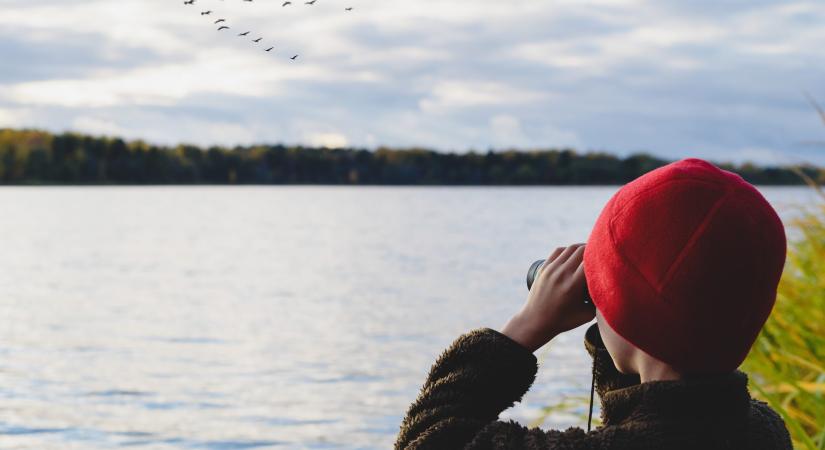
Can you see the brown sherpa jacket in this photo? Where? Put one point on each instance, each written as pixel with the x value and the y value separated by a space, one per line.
pixel 484 372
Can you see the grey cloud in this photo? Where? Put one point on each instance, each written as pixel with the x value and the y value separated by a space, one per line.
pixel 705 97
pixel 68 55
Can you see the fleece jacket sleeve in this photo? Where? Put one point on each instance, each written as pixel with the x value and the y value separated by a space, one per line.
pixel 480 375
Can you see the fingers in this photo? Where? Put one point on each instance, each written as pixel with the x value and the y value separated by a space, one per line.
pixel 565 255
pixel 553 256
pixel 575 259
pixel 586 311
pixel 578 275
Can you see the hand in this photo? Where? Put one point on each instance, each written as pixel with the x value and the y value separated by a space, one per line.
pixel 555 303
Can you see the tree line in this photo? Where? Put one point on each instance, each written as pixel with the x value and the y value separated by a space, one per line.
pixel 38 157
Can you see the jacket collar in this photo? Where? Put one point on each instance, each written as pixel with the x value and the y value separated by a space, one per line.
pixel 624 398
pixel 714 398
pixel 605 375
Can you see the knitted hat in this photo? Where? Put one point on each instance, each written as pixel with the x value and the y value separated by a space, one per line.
pixel 684 263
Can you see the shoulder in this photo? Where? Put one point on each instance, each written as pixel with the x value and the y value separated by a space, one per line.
pixel 766 429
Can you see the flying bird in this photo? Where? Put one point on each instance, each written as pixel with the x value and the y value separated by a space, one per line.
pixel 206 13
pixel 256 40
pixel 189 2
pixel 219 21
pixel 223 28
pixel 286 4
pixel 244 33
pixel 269 49
pixel 348 9
pixel 311 2
pixel 294 57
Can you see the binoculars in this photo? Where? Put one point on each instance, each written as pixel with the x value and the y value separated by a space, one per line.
pixel 535 270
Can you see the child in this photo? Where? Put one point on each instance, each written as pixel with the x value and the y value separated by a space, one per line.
pixel 682 267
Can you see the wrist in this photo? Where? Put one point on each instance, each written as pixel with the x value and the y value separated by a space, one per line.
pixel 527 332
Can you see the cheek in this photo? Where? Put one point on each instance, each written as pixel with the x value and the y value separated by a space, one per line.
pixel 622 363
pixel 615 345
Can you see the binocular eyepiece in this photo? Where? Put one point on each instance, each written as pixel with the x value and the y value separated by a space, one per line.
pixel 535 270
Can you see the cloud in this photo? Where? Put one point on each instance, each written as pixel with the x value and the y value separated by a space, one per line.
pixel 507 130
pixel 13 117
pixel 97 126
pixel 452 94
pixel 148 85
pixel 701 78
pixel 328 140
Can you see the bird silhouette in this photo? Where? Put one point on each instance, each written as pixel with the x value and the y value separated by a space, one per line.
pixel 258 40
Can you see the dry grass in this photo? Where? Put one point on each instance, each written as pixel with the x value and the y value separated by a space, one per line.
pixel 787 363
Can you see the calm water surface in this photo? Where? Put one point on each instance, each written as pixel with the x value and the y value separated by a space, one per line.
pixel 240 318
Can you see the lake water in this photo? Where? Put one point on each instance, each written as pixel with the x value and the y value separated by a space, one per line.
pixel 283 317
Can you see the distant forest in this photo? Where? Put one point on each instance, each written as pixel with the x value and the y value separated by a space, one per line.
pixel 30 157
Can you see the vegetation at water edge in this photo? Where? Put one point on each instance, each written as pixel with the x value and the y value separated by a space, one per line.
pixel 787 363
pixel 38 157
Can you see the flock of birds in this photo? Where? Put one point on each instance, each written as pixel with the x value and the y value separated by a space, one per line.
pixel 222 24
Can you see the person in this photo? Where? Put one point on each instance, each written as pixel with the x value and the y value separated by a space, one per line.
pixel 682 267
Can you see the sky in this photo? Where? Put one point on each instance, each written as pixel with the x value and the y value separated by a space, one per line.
pixel 721 80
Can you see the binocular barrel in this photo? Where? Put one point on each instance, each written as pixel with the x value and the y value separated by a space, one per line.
pixel 535 268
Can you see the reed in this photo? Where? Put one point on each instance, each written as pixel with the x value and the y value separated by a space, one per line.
pixel 787 362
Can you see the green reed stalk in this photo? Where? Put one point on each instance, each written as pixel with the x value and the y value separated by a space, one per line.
pixel 787 363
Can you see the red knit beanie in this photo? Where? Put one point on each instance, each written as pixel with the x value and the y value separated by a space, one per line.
pixel 684 263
